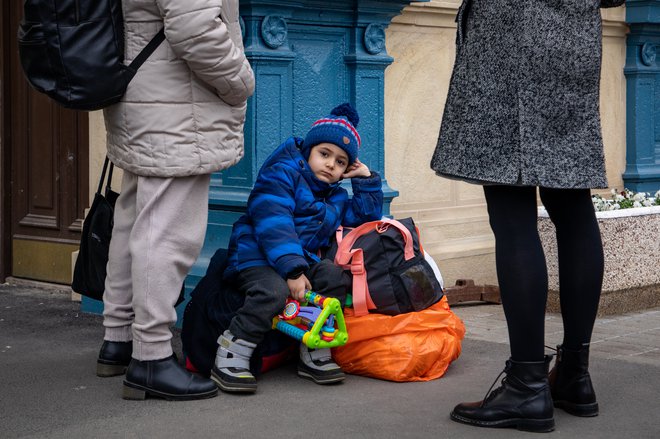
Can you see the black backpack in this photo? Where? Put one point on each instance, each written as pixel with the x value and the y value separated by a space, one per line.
pixel 73 51
pixel 390 273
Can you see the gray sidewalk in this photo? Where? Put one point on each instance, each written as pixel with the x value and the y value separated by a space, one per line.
pixel 631 337
pixel 48 388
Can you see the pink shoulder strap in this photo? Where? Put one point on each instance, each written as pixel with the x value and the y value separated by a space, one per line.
pixel 348 257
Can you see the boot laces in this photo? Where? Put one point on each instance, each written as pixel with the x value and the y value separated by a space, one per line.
pixel 490 395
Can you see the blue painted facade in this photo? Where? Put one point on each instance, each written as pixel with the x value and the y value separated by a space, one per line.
pixel 642 72
pixel 307 56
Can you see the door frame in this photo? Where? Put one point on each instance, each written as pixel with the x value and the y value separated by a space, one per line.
pixel 5 149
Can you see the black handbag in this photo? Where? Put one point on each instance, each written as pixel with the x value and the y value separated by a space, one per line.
pixel 90 270
pixel 611 3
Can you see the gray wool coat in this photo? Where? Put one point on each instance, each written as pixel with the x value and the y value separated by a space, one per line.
pixel 522 107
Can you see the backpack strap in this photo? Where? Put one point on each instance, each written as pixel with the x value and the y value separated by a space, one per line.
pixel 106 163
pixel 353 259
pixel 147 51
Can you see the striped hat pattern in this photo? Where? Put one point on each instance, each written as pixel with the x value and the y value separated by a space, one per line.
pixel 339 128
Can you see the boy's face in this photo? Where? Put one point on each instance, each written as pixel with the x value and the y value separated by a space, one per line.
pixel 328 162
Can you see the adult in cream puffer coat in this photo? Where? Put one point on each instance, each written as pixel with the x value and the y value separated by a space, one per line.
pixel 180 120
pixel 183 112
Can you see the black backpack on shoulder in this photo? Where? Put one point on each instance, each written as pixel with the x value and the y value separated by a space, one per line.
pixel 73 51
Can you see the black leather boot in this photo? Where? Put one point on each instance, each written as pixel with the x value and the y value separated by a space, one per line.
pixel 570 382
pixel 114 357
pixel 166 379
pixel 522 401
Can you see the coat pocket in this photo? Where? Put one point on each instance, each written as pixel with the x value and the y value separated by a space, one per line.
pixel 34 55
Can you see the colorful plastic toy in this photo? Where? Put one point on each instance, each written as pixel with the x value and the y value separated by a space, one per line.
pixel 315 323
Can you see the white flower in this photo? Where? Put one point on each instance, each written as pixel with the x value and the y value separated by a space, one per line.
pixel 624 200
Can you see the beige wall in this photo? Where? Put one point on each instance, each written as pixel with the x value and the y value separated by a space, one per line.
pixel 450 214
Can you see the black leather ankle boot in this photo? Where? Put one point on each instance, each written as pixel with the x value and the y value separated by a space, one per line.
pixel 166 379
pixel 522 401
pixel 114 357
pixel 570 382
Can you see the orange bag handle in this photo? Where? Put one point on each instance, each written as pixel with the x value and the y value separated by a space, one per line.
pixel 348 257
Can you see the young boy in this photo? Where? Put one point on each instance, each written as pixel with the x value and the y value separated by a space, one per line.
pixel 293 210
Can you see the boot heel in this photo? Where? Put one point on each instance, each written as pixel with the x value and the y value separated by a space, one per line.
pixel 133 393
pixel 536 425
pixel 109 370
pixel 581 410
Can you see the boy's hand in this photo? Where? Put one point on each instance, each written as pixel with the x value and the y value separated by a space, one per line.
pixel 357 169
pixel 298 287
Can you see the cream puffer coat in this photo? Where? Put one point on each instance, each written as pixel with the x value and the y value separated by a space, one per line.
pixel 183 112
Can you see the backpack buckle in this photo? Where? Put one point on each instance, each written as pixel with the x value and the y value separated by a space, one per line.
pixel 357 268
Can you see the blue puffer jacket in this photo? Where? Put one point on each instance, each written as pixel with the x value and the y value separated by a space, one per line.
pixel 291 214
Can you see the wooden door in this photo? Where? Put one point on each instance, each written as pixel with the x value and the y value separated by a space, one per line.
pixel 48 171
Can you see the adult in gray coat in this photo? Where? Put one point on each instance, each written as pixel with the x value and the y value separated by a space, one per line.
pixel 180 120
pixel 523 112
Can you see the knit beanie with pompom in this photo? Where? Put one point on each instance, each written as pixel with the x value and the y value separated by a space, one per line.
pixel 339 128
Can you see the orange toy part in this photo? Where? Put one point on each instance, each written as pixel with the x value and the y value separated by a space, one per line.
pixel 416 346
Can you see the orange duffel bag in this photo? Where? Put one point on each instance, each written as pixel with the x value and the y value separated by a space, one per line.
pixel 416 346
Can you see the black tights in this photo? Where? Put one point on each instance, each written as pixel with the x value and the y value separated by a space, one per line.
pixel 521 268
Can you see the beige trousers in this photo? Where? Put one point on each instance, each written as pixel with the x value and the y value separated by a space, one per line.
pixel 159 230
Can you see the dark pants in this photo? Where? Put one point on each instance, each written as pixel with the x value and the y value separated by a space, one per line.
pixel 266 293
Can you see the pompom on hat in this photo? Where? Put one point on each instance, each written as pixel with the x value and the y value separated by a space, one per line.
pixel 339 128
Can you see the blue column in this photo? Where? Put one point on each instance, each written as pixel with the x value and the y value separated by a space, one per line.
pixel 643 96
pixel 307 58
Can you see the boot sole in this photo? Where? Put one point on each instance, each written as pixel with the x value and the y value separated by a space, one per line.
pixel 581 410
pixel 137 392
pixel 110 370
pixel 226 386
pixel 322 380
pixel 532 425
